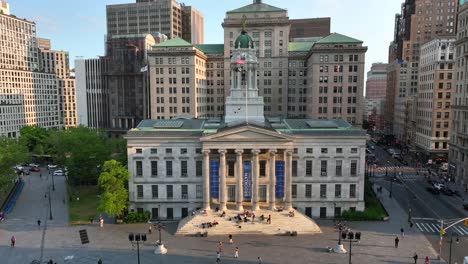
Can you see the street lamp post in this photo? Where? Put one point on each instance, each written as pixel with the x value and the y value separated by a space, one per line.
pixel 50 206
pixel 339 247
pixel 53 182
pixel 457 240
pixel 136 238
pixel 353 238
pixel 160 249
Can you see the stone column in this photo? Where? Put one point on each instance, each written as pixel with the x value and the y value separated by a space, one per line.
pixel 222 180
pixel 206 179
pixel 239 189
pixel 255 175
pixel 272 186
pixel 288 180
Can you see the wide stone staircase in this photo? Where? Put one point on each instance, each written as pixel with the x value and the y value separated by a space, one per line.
pixel 281 224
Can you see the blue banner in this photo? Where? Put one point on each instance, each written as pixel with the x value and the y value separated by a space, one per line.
pixel 247 181
pixel 214 178
pixel 279 179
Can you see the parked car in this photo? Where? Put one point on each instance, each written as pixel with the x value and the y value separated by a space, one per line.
pixel 439 186
pixel 18 168
pixel 59 173
pixel 51 166
pixel 33 165
pixel 391 151
pixel 433 190
pixel 35 169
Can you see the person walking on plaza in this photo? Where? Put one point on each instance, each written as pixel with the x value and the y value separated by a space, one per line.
pixel 236 254
pixel 38 222
pixel 99 261
pixel 220 246
pixel 269 219
pixel 397 240
pixel 259 260
pixel 13 241
pixel 218 257
pixel 101 221
pixel 427 260
pixel 40 175
pixel 415 257
pixel 402 231
pixel 149 229
pixel 230 238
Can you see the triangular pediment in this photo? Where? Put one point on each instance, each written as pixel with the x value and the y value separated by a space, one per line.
pixel 247 133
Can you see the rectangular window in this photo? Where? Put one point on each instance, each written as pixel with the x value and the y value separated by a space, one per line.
pixel 309 168
pixel 139 168
pixel 353 168
pixel 339 168
pixel 339 151
pixel 183 168
pixel 354 150
pixel 184 192
pixel 337 190
pixel 308 190
pixel 309 150
pixel 199 168
pixel 198 191
pixel 139 150
pixel 198 151
pixel 168 151
pixel 323 168
pixel 352 191
pixel 231 164
pixel 294 168
pixel 139 191
pixel 154 151
pixel 262 168
pixel 294 190
pixel 324 150
pixel 154 168
pixel 168 168
pixel 323 191
pixel 169 192
pixel 154 191
pixel 183 151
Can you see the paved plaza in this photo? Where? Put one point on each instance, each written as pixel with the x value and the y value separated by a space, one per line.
pixel 61 242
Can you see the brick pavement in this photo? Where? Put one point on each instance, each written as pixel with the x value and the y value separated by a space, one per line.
pixel 111 241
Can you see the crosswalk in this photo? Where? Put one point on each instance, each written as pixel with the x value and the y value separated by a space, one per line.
pixel 433 227
pixel 391 169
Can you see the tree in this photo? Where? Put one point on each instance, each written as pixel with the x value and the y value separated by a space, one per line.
pixel 34 138
pixel 82 150
pixel 11 153
pixel 113 179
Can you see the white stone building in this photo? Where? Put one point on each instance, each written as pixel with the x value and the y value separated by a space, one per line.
pixel 245 161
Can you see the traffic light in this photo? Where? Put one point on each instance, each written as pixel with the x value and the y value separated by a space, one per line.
pixel 443 232
pixel 466 222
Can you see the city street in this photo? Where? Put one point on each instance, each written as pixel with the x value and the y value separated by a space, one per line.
pixel 409 190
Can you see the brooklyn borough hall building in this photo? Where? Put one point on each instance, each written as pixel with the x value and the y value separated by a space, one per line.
pixel 247 159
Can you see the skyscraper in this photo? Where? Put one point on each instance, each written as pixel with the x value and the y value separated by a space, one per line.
pixel 152 16
pixel 28 95
pixel 376 87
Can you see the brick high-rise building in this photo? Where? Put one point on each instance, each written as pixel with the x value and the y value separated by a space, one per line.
pixel 419 22
pixel 151 16
pixel 376 87
pixel 436 82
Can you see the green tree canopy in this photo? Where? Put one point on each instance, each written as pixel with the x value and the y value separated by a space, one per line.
pixel 113 180
pixel 34 138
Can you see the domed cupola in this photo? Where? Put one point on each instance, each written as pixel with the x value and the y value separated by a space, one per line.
pixel 244 41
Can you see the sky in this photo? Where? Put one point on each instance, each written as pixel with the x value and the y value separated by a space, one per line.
pixel 79 26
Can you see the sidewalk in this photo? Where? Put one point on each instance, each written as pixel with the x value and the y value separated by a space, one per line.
pixel 399 219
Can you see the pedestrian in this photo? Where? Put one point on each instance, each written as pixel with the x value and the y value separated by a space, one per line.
pixel 397 240
pixel 269 219
pixel 236 254
pixel 259 260
pixel 253 218
pixel 38 222
pixel 149 229
pixel 230 238
pixel 13 241
pixel 218 257
pixel 99 261
pixel 427 260
pixel 402 231
pixel 40 175
pixel 101 221
pixel 220 246
pixel 50 261
pixel 415 257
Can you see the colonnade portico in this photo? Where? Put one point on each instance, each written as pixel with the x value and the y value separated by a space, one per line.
pixel 252 155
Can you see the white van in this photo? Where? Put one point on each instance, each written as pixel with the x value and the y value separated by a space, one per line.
pixel 465 260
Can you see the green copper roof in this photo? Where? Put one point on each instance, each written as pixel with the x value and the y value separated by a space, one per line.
pixel 257 8
pixel 175 42
pixel 300 46
pixel 210 48
pixel 338 38
pixel 244 41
